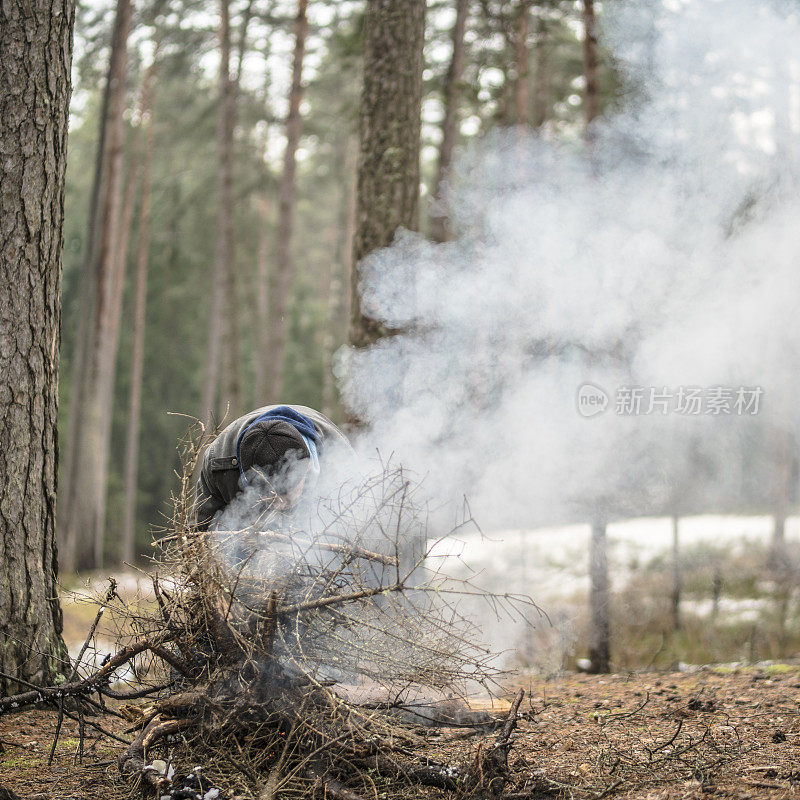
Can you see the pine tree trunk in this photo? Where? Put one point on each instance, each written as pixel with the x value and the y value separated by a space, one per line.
pixel 131 481
pixel 247 15
pixel 79 362
pixel 540 78
pixel 231 404
pixel 110 345
pixel 781 447
pixel 263 207
pixel 599 601
pixel 591 99
pixel 120 258
pixel 281 284
pixel 677 581
pixel 338 310
pixel 388 170
pixel 218 294
pixel 77 545
pixel 262 302
pixel 716 592
pixel 452 97
pixel 125 226
pixel 86 525
pixel 225 257
pixel 36 47
pixel 323 334
pixel 522 87
pixel 100 402
pixel 779 559
pixel 345 309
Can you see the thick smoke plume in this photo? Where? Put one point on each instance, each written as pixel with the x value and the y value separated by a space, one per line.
pixel 662 253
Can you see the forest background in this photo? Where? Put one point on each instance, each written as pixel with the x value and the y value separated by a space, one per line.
pixel 212 167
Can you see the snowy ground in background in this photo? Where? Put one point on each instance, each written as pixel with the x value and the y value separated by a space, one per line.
pixel 551 565
pixel 555 560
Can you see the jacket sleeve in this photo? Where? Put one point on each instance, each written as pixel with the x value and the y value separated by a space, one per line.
pixel 207 503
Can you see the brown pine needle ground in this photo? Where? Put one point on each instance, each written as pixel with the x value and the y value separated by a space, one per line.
pixel 712 734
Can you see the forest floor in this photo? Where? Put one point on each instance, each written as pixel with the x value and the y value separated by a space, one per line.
pixel 714 733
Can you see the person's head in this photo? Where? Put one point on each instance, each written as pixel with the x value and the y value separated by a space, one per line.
pixel 276 452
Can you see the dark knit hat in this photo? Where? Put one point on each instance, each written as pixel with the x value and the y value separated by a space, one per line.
pixel 268 445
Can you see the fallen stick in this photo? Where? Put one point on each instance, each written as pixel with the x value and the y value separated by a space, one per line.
pixel 136 694
pixel 510 723
pixel 166 728
pixel 441 776
pixel 339 599
pixel 763 784
pixel 489 772
pixel 132 761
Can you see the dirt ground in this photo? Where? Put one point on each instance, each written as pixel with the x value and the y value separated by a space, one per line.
pixel 713 733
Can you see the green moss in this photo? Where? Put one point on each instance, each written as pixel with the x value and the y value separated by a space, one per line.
pixel 68 743
pixel 22 762
pixel 780 669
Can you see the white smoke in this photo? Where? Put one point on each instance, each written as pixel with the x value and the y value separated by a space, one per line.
pixel 664 255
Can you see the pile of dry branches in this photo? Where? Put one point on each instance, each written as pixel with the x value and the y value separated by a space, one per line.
pixel 292 653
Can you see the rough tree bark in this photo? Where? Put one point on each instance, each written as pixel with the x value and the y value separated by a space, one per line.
pixel 139 313
pixel 591 94
pixel 388 169
pixel 599 601
pixel 451 98
pixel 84 518
pixel 85 522
pixel 36 47
pixel 281 283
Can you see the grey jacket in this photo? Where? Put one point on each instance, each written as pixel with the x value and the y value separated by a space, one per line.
pixel 219 477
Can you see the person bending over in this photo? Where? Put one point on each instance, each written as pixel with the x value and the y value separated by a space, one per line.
pixel 278 447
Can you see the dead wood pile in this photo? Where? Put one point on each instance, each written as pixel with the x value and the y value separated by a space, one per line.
pixel 254 658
